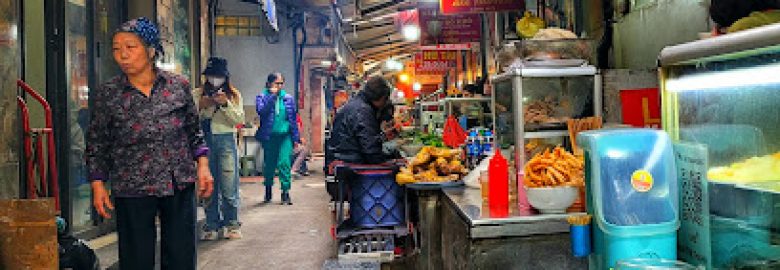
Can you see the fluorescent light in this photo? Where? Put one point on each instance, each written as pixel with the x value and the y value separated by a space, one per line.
pixel 744 77
pixel 326 63
pixel 417 87
pixel 411 32
pixel 393 65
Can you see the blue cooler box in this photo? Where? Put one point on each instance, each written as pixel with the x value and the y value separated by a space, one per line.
pixel 632 193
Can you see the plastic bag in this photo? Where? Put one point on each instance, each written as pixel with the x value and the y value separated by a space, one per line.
pixel 529 25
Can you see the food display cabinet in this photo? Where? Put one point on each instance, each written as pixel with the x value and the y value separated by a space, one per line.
pixel 533 104
pixel 721 105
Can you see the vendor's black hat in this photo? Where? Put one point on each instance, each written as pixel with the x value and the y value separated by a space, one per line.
pixel 216 66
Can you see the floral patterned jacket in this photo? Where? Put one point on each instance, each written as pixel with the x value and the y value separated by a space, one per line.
pixel 144 146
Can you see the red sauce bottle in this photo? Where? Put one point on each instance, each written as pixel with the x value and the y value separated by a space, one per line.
pixel 498 186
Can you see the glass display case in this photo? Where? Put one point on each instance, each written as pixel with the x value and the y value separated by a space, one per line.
pixel 722 96
pixel 533 104
pixel 470 112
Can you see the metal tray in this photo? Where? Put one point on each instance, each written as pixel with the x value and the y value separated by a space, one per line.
pixel 435 185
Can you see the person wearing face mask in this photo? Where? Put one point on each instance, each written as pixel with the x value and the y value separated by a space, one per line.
pixel 278 132
pixel 221 110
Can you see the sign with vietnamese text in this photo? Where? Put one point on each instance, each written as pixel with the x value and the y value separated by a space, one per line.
pixel 447 29
pixel 641 107
pixel 435 62
pixel 693 238
pixel 479 6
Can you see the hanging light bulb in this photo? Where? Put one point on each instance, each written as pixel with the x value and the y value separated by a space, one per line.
pixel 411 32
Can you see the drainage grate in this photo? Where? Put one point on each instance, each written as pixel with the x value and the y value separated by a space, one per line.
pixel 378 246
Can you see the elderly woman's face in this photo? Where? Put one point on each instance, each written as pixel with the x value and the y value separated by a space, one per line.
pixel 130 53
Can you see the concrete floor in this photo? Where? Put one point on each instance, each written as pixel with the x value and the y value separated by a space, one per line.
pixel 275 236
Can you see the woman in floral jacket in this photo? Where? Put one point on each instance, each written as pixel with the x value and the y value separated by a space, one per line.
pixel 278 131
pixel 145 139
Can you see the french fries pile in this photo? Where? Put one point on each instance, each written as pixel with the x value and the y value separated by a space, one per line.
pixel 555 168
pixel 433 164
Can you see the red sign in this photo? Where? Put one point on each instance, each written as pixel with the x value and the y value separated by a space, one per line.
pixel 447 29
pixel 641 107
pixel 435 62
pixel 479 6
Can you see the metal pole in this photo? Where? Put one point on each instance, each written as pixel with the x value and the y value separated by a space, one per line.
pixel 483 44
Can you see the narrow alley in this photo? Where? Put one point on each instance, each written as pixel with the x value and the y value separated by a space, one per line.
pixel 274 236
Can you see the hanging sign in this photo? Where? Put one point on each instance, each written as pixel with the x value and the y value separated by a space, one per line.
pixel 479 6
pixel 435 62
pixel 693 238
pixel 437 28
pixel 269 6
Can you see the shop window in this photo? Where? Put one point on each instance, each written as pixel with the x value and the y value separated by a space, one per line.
pixel 238 26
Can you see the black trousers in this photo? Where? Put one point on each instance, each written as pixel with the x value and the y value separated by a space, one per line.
pixel 135 219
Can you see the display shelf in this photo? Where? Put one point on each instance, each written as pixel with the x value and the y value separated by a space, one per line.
pixel 467 99
pixel 546 134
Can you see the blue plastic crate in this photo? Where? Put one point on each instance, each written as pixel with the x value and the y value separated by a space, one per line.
pixel 377 200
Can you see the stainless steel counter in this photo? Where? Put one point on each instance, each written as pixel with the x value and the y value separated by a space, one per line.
pixel 471 239
pixel 468 203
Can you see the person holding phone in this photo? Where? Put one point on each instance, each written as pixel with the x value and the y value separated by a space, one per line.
pixel 221 110
pixel 145 138
pixel 278 132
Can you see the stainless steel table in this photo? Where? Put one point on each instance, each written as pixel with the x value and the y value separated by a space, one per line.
pixel 470 239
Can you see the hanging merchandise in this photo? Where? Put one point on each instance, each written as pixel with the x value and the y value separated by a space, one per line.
pixel 529 25
pixel 454 135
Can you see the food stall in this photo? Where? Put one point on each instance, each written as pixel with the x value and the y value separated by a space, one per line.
pixel 461 218
pixel 720 106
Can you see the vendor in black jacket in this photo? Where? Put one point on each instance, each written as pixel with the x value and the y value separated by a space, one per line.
pixel 357 135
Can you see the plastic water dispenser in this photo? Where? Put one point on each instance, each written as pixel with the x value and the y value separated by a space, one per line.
pixel 632 194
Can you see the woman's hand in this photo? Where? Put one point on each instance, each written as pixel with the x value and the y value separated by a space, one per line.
pixel 205 102
pixel 221 98
pixel 100 199
pixel 205 180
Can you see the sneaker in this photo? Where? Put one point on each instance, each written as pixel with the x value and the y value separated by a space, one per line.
pixel 209 236
pixel 233 233
pixel 304 173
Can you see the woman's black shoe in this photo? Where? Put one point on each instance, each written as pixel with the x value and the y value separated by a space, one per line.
pixel 286 198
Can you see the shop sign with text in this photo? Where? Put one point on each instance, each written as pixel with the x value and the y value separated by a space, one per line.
pixel 435 62
pixel 479 6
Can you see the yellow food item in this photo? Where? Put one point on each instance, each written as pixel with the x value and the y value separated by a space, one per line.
pixel 755 169
pixel 404 178
pixel 529 25
pixel 555 168
pixel 433 164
